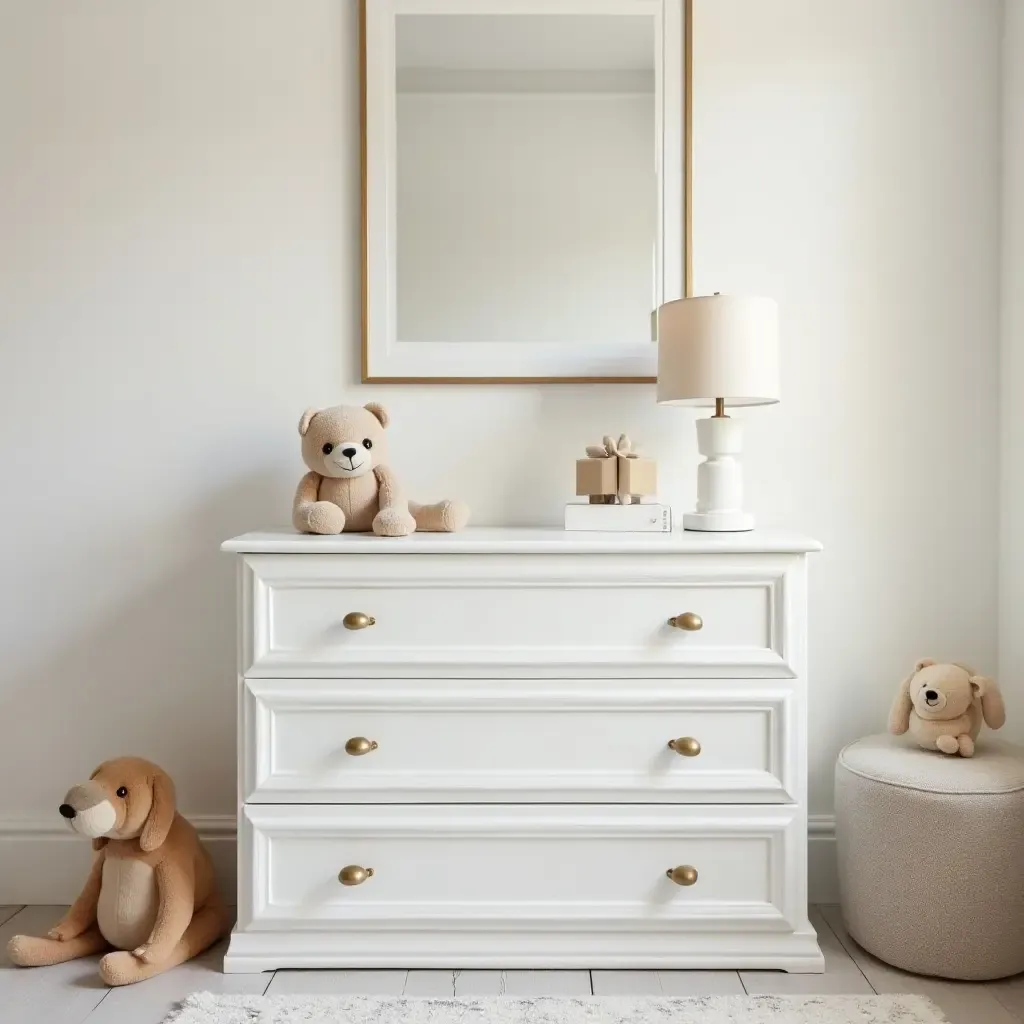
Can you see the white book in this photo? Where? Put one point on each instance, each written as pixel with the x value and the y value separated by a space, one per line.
pixel 652 518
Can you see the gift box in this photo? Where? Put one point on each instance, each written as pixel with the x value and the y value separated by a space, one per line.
pixel 613 471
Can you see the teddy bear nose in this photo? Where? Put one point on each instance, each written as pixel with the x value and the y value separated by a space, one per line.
pixel 348 452
pixel 930 694
pixel 66 810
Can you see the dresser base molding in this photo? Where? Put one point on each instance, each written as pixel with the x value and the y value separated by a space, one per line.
pixel 795 952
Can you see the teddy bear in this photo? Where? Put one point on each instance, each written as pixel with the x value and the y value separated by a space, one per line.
pixel 350 486
pixel 942 705
pixel 150 896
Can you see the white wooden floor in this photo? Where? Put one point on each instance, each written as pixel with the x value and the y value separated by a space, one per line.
pixel 72 993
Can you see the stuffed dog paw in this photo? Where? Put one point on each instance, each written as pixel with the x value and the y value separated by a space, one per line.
pixel 150 896
pixel 943 705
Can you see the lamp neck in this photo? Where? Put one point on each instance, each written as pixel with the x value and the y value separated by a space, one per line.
pixel 720 408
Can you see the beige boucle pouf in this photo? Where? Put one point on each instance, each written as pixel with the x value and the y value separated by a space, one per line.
pixel 931 856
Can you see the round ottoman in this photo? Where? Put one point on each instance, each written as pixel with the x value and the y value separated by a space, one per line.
pixel 931 856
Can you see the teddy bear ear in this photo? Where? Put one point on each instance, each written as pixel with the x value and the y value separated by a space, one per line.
pixel 379 411
pixel 307 416
pixel 923 663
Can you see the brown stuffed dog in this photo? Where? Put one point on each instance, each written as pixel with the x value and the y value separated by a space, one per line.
pixel 350 487
pixel 150 894
pixel 942 706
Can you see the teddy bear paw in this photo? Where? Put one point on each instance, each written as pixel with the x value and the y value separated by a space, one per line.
pixel 390 522
pixel 947 744
pixel 323 517
pixel 966 745
pixel 454 515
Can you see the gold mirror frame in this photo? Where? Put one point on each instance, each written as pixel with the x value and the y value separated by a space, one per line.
pixel 687 225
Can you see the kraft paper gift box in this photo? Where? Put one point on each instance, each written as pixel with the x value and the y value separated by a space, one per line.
pixel 614 469
pixel 597 476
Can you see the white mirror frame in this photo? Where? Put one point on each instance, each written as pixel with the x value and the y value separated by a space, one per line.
pixel 385 359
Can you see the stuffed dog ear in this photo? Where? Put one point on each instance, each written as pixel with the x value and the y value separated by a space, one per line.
pixel 993 710
pixel 307 416
pixel 161 814
pixel 379 411
pixel 899 714
pixel 99 843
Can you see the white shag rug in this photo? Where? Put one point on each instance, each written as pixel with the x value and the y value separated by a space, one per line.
pixel 207 1008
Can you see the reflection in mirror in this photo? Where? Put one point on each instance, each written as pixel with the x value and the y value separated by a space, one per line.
pixel 526 178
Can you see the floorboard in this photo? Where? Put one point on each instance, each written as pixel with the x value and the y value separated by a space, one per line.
pixel 842 975
pixel 962 1002
pixel 338 983
pixel 667 983
pixel 8 912
pixel 61 994
pixel 498 983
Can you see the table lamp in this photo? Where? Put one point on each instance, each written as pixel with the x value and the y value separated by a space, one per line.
pixel 718 350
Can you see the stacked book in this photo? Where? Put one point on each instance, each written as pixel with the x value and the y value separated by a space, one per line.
pixel 636 518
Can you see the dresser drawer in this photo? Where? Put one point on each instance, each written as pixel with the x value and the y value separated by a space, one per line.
pixel 496 613
pixel 521 865
pixel 566 741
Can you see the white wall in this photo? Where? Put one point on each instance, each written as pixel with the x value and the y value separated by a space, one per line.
pixel 526 216
pixel 179 278
pixel 1011 550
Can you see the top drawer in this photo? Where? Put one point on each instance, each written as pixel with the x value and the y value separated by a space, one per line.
pixel 498 614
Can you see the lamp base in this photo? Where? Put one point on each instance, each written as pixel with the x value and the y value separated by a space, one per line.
pixel 718 522
pixel 719 479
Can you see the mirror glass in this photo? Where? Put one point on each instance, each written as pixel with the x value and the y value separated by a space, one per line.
pixel 526 178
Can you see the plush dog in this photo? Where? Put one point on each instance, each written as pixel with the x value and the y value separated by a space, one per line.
pixel 350 486
pixel 150 894
pixel 942 706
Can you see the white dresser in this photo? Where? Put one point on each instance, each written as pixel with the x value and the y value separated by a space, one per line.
pixel 522 748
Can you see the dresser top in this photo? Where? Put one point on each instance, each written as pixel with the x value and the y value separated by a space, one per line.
pixel 516 540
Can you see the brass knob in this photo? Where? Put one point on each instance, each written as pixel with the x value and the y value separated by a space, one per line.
pixel 357 620
pixel 690 621
pixel 359 745
pixel 685 745
pixel 353 874
pixel 683 875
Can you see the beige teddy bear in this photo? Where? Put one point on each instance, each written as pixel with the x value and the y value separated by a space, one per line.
pixel 350 486
pixel 942 705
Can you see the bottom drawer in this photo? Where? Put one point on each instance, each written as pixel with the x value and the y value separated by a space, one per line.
pixel 519 866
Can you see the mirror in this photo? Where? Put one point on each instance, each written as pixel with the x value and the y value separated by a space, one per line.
pixel 523 187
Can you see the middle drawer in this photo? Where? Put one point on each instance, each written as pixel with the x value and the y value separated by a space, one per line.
pixel 517 741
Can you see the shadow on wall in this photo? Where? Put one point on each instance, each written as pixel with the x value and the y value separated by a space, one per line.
pixel 136 655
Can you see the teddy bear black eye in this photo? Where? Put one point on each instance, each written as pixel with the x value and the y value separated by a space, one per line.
pixel 327 448
pixel 122 792
pixel 367 443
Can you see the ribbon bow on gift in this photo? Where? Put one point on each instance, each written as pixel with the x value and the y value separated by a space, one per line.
pixel 623 448
pixel 612 449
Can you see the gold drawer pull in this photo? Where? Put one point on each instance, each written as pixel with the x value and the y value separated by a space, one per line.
pixel 357 620
pixel 354 875
pixel 690 621
pixel 683 875
pixel 685 745
pixel 359 745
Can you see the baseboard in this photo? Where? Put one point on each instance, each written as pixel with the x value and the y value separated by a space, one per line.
pixel 43 862
pixel 822 870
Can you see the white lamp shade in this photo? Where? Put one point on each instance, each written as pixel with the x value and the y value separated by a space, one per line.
pixel 718 346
